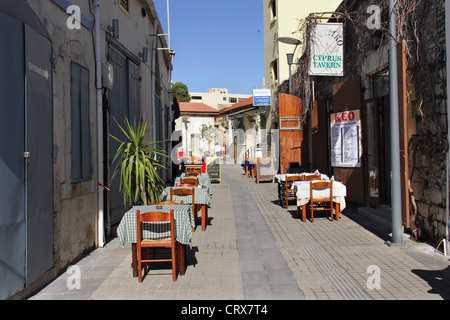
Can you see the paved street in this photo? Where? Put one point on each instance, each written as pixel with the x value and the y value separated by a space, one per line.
pixel 254 249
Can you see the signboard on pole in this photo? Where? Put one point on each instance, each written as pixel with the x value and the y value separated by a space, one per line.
pixel 346 139
pixel 262 97
pixel 327 50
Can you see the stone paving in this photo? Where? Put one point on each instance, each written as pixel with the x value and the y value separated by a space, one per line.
pixel 253 249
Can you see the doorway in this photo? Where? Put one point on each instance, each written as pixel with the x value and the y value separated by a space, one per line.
pixel 378 150
pixel 26 149
pixel 123 103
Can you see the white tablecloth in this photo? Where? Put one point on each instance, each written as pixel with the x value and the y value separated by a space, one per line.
pixel 282 177
pixel 302 190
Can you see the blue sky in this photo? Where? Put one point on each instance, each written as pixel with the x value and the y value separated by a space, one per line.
pixel 218 44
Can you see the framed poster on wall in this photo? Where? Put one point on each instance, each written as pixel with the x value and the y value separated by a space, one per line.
pixel 345 135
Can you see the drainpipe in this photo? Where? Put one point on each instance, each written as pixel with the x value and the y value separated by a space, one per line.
pixel 397 233
pixel 100 173
pixel 153 74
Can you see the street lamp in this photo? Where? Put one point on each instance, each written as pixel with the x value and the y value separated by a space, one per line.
pixel 290 56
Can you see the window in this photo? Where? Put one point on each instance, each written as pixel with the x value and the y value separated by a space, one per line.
pixel 80 124
pixel 196 97
pixel 275 70
pixel 233 100
pixel 125 6
pixel 273 9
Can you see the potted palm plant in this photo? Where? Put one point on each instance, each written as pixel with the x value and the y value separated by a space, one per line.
pixel 138 162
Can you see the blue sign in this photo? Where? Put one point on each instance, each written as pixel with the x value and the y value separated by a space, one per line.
pixel 261 97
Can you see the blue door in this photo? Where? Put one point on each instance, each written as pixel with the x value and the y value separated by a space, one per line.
pixel 26 140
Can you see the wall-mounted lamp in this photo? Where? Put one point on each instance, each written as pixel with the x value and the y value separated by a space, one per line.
pixel 290 56
pixel 115 28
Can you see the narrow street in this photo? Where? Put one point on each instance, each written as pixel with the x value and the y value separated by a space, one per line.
pixel 253 249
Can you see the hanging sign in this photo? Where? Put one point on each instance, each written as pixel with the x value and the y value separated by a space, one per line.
pixel 262 97
pixel 327 50
pixel 346 139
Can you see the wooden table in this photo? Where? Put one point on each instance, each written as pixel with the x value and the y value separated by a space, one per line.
pixel 184 222
pixel 280 179
pixel 303 193
pixel 202 198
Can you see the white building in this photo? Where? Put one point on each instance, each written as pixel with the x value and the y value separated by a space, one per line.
pixel 196 123
pixel 218 98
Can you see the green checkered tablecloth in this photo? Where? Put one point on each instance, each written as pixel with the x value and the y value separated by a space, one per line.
pixel 203 181
pixel 184 222
pixel 202 196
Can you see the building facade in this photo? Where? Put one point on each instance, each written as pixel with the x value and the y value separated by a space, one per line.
pixel 364 90
pixel 196 129
pixel 283 18
pixel 88 64
pixel 217 98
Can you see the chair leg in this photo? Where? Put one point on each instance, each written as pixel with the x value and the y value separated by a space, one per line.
pixel 174 263
pixel 139 269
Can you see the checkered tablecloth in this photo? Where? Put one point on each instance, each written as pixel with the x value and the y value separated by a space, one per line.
pixel 184 222
pixel 203 181
pixel 202 196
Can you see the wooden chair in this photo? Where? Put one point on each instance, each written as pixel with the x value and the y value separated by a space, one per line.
pixel 152 217
pixel 186 192
pixel 165 203
pixel 312 177
pixel 196 169
pixel 189 180
pixel 324 203
pixel 289 193
pixel 192 174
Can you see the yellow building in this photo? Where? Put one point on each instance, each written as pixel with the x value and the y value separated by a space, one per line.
pixel 282 19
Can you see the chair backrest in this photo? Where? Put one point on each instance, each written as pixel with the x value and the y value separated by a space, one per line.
pixel 164 203
pixel 289 180
pixel 189 180
pixel 312 177
pixel 155 216
pixel 185 185
pixel 192 174
pixel 182 192
pixel 321 185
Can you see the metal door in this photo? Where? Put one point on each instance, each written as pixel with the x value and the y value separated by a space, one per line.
pixel 26 139
pixel 124 102
pixel 118 111
pixel 39 145
pixel 12 171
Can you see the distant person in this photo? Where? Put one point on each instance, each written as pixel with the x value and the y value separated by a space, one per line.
pixel 218 150
pixel 203 164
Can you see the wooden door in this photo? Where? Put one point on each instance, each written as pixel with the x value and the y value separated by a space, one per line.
pixel 293 146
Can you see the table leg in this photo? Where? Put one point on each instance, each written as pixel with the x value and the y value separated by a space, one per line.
pixel 181 257
pixel 304 213
pixel 337 210
pixel 134 259
pixel 279 193
pixel 204 216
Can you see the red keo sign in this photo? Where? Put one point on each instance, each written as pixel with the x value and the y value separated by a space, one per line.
pixel 345 116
